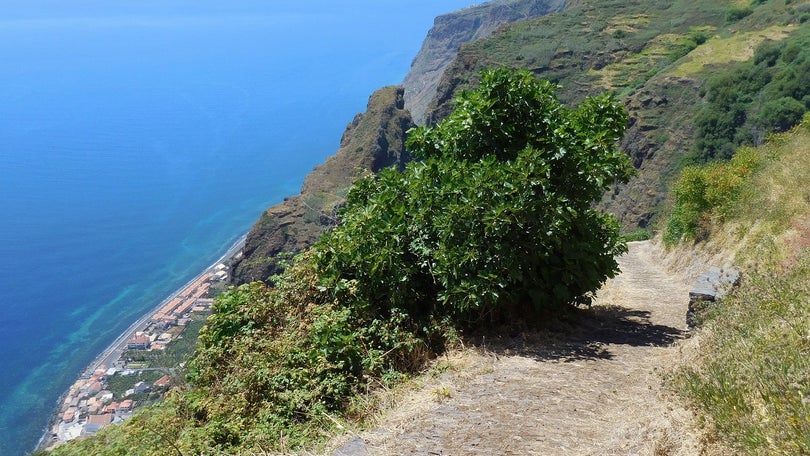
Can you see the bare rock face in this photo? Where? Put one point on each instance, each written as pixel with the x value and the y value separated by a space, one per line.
pixel 372 141
pixel 452 30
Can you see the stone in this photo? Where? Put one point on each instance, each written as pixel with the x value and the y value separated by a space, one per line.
pixel 709 289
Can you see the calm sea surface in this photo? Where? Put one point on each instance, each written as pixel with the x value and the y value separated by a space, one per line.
pixel 139 139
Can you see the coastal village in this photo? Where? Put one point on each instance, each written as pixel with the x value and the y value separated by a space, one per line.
pixel 91 404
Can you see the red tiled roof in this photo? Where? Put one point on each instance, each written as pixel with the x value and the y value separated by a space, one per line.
pixel 162 381
pixel 101 420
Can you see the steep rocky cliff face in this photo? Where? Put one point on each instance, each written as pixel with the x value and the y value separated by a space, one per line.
pixel 452 30
pixel 372 141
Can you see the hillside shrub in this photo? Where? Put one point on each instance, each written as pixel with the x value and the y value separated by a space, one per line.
pixel 736 14
pixel 707 194
pixel 496 215
pixel 754 98
pixel 781 114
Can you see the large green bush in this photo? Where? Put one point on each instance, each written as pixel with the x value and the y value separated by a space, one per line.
pixel 496 216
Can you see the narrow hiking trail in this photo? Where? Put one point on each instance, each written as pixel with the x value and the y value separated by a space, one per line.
pixel 595 389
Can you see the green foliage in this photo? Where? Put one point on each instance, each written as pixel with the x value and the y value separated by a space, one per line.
pixel 736 14
pixel 641 234
pixel 781 114
pixel 118 384
pixel 708 192
pixel 755 98
pixel 496 215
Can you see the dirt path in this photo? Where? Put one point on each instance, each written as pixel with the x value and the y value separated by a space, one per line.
pixel 596 390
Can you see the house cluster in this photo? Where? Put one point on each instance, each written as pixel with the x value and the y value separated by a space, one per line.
pixel 89 406
pixel 176 312
pixel 190 299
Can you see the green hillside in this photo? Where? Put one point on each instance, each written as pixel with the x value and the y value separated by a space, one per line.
pixel 750 378
pixel 676 65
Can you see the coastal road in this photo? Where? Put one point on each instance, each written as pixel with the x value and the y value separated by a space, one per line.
pixel 111 356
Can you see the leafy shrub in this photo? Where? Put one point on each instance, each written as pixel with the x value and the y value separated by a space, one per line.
pixel 736 14
pixel 706 192
pixel 781 114
pixel 496 215
pixel 641 234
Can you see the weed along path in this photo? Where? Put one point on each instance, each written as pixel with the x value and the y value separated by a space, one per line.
pixel 594 388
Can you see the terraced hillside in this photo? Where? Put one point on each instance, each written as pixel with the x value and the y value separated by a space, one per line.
pixel 661 58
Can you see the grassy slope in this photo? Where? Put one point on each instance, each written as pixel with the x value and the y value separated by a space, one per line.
pixel 751 377
pixel 641 51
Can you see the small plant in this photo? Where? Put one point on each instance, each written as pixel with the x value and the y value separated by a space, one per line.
pixel 442 393
pixel 641 234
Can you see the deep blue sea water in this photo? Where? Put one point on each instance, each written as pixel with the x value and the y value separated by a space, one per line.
pixel 139 139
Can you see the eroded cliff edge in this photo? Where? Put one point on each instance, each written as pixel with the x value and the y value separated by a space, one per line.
pixel 372 141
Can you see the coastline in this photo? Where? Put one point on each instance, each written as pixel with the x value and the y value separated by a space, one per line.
pixel 113 352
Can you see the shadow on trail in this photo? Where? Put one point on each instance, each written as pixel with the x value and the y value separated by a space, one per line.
pixel 585 334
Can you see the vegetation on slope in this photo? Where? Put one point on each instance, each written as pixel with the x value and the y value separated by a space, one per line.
pixel 698 79
pixel 659 58
pixel 751 380
pixel 766 94
pixel 372 141
pixel 495 223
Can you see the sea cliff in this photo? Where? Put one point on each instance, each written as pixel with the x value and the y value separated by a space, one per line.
pixel 373 140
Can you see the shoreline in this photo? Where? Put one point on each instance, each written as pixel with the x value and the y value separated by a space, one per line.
pixel 113 352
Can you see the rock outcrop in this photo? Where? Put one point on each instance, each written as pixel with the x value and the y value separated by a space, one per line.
pixel 709 288
pixel 372 141
pixel 452 30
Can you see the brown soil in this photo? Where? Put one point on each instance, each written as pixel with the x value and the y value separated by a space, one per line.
pixel 595 388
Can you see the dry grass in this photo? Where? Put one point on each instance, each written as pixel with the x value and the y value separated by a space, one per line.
pixel 747 370
pixel 634 66
pixel 627 23
pixel 736 48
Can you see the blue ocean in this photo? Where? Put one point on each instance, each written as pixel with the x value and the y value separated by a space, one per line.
pixel 140 139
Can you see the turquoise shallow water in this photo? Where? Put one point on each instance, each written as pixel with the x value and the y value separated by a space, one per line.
pixel 138 140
